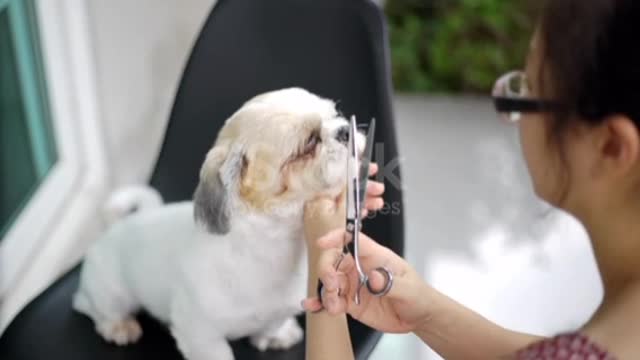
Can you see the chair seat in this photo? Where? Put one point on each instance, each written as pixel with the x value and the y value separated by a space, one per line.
pixel 48 328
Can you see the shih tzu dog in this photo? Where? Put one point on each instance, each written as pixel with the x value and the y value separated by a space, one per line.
pixel 232 262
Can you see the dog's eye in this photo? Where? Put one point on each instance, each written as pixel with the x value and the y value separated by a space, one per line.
pixel 311 143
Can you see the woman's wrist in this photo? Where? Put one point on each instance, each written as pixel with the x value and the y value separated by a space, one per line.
pixel 425 298
pixel 313 254
pixel 327 336
pixel 314 230
pixel 431 310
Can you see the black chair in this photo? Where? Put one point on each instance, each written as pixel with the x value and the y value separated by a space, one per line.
pixel 335 48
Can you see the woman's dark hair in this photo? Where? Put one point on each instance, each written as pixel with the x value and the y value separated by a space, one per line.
pixel 591 59
pixel 590 64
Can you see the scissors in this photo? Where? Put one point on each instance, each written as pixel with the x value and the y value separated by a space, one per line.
pixel 357 176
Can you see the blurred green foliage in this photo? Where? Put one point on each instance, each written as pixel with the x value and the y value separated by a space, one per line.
pixel 456 45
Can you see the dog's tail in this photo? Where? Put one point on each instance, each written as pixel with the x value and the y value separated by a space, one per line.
pixel 130 199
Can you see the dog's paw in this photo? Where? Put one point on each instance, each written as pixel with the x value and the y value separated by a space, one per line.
pixel 282 338
pixel 125 332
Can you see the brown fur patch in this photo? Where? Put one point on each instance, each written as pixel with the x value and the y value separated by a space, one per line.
pixel 257 186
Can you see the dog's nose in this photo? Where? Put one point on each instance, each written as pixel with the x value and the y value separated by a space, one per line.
pixel 342 134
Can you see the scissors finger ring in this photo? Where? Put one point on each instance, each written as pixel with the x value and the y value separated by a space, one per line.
pixel 388 283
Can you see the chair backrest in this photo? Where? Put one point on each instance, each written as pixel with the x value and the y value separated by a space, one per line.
pixel 335 48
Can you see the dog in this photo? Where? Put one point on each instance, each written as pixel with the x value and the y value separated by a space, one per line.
pixel 231 263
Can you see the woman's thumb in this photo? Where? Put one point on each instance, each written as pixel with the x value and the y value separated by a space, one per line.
pixel 378 280
pixel 390 285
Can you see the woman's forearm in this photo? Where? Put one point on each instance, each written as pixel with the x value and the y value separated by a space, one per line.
pixel 456 332
pixel 327 336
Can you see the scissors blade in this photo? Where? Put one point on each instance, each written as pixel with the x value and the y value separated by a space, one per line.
pixel 352 178
pixel 365 162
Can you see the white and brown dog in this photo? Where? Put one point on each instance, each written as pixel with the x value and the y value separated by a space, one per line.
pixel 232 263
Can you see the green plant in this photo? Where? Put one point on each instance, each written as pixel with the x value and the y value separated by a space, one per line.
pixel 456 45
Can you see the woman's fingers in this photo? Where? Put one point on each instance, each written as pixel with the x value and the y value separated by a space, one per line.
pixel 343 283
pixel 335 300
pixel 374 200
pixel 373 169
pixel 327 272
pixel 377 280
pixel 335 282
pixel 312 305
pixel 375 188
pixel 373 204
pixel 335 304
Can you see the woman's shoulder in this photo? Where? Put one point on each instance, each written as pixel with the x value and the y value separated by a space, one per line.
pixel 570 346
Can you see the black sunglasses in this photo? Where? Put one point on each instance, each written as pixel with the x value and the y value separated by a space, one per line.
pixel 510 98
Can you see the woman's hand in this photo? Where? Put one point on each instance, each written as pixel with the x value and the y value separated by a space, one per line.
pixel 402 310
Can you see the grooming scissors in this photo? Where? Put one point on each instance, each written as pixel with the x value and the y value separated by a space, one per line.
pixel 357 176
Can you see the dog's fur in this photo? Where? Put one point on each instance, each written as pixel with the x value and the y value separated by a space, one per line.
pixel 232 263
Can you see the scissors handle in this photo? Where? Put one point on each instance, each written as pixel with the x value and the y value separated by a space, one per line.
pixel 388 283
pixel 364 281
pixel 351 226
pixel 345 251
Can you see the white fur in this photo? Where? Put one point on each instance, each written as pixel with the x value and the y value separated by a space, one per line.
pixel 130 199
pixel 211 288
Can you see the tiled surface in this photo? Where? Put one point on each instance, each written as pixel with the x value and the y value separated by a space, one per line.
pixel 475 229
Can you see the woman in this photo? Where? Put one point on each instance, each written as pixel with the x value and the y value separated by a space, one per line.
pixel 577 106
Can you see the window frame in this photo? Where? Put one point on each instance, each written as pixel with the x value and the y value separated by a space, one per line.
pixel 33 87
pixel 32 92
pixel 43 240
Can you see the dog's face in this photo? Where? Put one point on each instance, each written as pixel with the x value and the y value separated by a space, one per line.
pixel 280 149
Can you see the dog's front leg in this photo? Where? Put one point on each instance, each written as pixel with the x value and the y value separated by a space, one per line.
pixel 280 335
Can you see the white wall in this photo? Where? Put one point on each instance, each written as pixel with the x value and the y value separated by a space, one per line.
pixel 140 49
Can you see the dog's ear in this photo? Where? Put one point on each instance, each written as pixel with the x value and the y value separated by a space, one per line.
pixel 219 177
